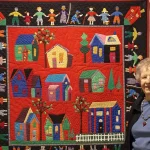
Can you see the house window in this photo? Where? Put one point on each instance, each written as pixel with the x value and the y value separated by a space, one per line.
pixel 15 88
pixel 132 10
pixel 100 52
pixel 18 133
pixel 19 50
pixel 111 39
pixel 53 53
pixel 66 82
pixel 29 51
pixel 61 57
pixel 34 124
pixel 99 113
pixel 21 127
pixel 85 80
pixel 118 112
pixel 107 112
pixel 24 91
pixel 100 120
pixel 56 129
pixel 112 48
pixel 94 86
pixel 92 114
pixel 50 130
pixel 101 82
pixel 51 93
pixel 34 52
pixel 137 15
pixel 19 77
pixel 95 49
pixel 117 118
pixel 117 127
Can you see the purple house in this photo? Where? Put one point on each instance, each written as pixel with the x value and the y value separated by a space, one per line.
pixel 58 87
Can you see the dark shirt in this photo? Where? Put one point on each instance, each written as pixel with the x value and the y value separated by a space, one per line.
pixel 134 116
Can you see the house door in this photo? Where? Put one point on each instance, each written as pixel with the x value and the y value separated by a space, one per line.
pixel 32 92
pixel 34 135
pixel 112 57
pixel 86 85
pixel 69 94
pixel 52 95
pixel 56 132
pixel 38 92
pixel 54 63
pixel 25 55
pixel 100 126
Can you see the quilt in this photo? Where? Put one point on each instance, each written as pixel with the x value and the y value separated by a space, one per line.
pixel 67 72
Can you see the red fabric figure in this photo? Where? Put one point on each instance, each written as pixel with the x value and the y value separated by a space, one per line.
pixel 105 148
pixel 131 46
pixel 2 125
pixel 28 18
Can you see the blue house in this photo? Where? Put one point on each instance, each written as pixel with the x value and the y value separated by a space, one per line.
pixel 19 82
pixel 27 126
pixel 58 87
pixel 104 117
pixel 36 86
pixel 105 49
pixel 25 84
pixel 26 48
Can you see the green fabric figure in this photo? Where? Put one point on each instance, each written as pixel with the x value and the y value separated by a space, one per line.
pixel 15 15
pixel 117 147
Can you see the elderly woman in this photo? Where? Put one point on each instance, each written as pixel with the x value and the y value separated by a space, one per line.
pixel 138 135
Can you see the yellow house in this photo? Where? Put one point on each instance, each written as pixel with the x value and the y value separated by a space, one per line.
pixel 58 57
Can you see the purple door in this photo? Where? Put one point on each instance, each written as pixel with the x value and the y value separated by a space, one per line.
pixel 52 95
pixel 54 63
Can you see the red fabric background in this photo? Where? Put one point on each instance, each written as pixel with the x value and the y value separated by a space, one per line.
pixel 69 37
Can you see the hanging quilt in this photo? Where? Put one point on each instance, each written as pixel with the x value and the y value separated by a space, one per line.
pixel 67 72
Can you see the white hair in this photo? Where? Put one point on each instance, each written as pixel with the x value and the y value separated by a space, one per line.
pixel 145 63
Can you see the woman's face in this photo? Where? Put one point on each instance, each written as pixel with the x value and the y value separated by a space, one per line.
pixel 145 80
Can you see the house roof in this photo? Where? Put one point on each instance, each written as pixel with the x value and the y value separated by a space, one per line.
pixel 56 78
pixel 53 87
pixel 35 78
pixel 22 116
pixel 31 116
pixel 89 74
pixel 108 104
pixel 58 46
pixel 106 39
pixel 13 73
pixel 57 119
pixel 25 71
pixel 24 39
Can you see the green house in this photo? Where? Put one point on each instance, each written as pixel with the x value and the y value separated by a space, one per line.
pixel 26 48
pixel 91 81
pixel 57 127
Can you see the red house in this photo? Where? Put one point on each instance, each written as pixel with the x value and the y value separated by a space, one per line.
pixel 132 15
